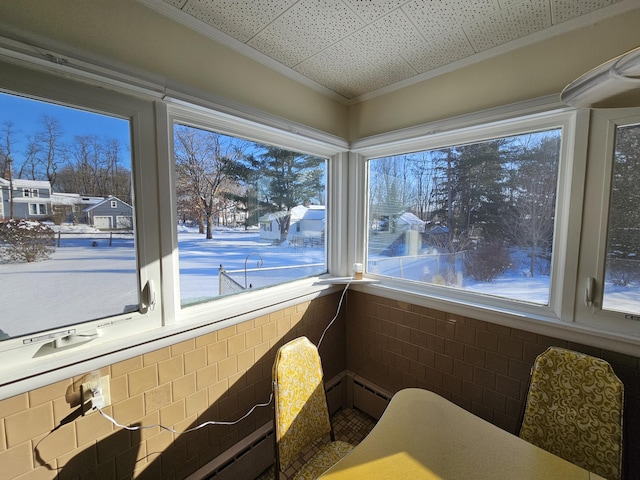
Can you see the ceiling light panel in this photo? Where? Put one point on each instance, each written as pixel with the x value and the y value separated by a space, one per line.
pixel 241 20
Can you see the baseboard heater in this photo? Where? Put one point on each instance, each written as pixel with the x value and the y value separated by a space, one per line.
pixel 369 397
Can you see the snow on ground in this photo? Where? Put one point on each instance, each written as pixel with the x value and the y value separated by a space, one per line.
pixel 82 281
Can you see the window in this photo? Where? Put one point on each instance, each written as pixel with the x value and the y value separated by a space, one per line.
pixel 37 209
pixel 94 286
pixel 609 282
pixel 70 277
pixel 250 215
pixel 114 204
pixel 622 266
pixel 478 217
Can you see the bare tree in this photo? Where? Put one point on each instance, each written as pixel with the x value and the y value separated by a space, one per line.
pixel 51 148
pixel 203 162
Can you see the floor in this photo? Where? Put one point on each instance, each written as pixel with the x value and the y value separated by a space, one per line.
pixel 349 425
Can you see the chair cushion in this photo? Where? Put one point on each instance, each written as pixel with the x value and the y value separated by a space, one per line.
pixel 322 461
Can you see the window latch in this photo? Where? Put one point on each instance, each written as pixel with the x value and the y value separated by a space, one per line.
pixel 589 291
pixel 148 297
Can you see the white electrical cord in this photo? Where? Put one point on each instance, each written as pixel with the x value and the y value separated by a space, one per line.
pixel 211 422
pixel 98 405
pixel 346 287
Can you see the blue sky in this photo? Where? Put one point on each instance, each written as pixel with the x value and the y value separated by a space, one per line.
pixel 26 115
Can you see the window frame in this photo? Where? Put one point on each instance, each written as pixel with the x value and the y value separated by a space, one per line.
pixel 603 125
pixel 560 315
pixel 216 310
pixel 117 330
pixel 164 325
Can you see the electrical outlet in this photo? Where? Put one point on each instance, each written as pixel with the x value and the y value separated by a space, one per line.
pixel 95 393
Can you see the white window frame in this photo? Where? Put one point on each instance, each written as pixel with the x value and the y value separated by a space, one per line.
pixel 148 108
pixel 21 368
pixel 595 225
pixel 37 209
pixel 216 310
pixel 560 318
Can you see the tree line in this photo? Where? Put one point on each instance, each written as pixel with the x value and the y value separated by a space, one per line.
pixel 487 196
pixel 218 176
pixel 89 165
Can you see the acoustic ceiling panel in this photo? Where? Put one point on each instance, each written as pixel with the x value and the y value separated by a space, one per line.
pixel 355 47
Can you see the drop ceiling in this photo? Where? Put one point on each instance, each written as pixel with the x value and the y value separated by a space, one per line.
pixel 356 49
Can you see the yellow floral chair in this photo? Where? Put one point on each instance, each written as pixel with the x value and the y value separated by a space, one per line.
pixel 301 413
pixel 574 410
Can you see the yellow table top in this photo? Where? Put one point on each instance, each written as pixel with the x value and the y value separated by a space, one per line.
pixel 421 435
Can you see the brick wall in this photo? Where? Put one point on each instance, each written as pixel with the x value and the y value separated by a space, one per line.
pixel 218 376
pixel 480 366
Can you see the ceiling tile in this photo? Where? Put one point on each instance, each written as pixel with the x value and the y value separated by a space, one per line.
pixel 563 10
pixel 372 10
pixel 509 24
pixel 354 47
pixel 343 70
pixel 320 22
pixel 441 51
pixel 434 19
pixel 387 37
pixel 283 45
pixel 241 20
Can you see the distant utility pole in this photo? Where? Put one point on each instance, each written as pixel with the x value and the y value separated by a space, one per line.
pixel 10 188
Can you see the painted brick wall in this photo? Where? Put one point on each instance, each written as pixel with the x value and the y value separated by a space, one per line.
pixel 480 366
pixel 218 376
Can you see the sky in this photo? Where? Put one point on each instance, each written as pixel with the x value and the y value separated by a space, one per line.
pixel 26 115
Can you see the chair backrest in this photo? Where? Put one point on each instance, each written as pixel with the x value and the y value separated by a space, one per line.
pixel 301 413
pixel 574 410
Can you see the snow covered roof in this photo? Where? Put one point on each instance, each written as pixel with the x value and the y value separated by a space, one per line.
pixel 22 183
pixel 74 199
pixel 409 218
pixel 314 214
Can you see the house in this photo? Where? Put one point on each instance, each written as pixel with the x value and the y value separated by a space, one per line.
pixel 307 225
pixel 108 214
pixel 271 226
pixel 31 199
pixel 375 85
pixel 69 207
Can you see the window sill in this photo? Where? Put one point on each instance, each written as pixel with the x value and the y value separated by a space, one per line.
pixel 198 320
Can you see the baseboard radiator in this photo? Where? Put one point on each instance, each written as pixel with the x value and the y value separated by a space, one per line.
pixel 254 454
pixel 367 397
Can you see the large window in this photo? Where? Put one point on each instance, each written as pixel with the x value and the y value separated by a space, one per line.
pixel 250 215
pixel 83 158
pixel 477 217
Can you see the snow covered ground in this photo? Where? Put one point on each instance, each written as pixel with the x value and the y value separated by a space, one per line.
pixel 82 281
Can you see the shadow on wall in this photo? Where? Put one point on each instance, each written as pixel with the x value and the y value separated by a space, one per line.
pixel 155 453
